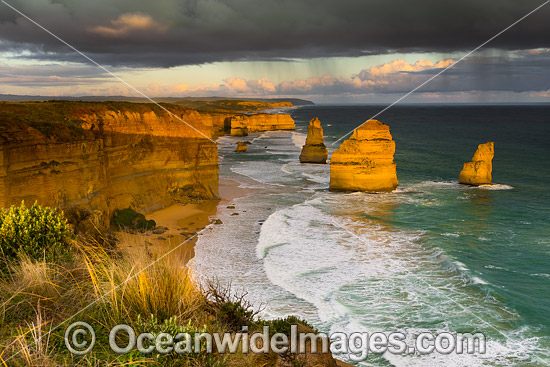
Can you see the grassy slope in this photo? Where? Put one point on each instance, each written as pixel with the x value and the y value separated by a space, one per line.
pixel 163 298
pixel 231 105
pixel 105 287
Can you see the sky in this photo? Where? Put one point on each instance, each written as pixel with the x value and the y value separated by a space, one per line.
pixel 345 51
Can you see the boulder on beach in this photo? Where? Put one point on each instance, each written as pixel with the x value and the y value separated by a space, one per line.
pixel 364 162
pixel 479 170
pixel 242 146
pixel 314 151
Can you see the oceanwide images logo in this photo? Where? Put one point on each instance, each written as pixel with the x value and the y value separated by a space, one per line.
pixel 80 339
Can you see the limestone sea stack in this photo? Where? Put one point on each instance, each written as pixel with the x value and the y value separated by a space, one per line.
pixel 238 126
pixel 478 171
pixel 241 125
pixel 314 151
pixel 364 162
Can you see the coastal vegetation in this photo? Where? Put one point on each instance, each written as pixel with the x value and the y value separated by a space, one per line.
pixel 41 296
pixel 130 219
pixel 56 116
pixel 66 266
pixel 232 105
pixel 34 232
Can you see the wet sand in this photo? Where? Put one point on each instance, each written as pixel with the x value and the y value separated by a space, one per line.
pixel 181 223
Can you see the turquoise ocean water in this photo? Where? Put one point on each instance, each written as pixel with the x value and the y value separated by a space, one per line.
pixel 431 256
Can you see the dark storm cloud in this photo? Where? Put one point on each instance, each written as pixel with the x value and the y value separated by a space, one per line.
pixel 177 32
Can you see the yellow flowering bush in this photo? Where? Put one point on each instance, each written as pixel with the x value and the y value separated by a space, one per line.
pixel 37 232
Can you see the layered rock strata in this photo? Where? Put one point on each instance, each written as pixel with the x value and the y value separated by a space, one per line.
pixel 364 162
pixel 314 151
pixel 104 156
pixel 479 170
pixel 242 146
pixel 241 125
pixel 238 126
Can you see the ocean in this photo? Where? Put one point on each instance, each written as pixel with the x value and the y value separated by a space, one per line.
pixel 431 256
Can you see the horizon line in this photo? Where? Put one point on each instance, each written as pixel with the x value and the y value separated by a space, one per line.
pixel 106 98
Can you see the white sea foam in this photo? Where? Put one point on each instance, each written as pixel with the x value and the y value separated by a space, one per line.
pixel 460 266
pixel 285 168
pixel 425 186
pixel 478 280
pixel 510 352
pixel 299 139
pixel 322 179
pixel 254 171
pixel 494 267
pixel 456 235
pixel 335 261
pixel 442 184
pixel 358 280
pixel 496 187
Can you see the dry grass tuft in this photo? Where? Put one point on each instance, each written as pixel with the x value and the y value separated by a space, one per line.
pixel 142 290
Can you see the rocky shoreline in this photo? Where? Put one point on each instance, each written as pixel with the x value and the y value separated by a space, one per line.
pixel 105 156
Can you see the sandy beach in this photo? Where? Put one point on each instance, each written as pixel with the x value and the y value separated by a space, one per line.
pixel 181 224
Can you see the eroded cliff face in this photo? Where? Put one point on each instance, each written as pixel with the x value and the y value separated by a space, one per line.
pixel 243 124
pixel 105 156
pixel 364 162
pixel 238 126
pixel 216 122
pixel 479 170
pixel 314 151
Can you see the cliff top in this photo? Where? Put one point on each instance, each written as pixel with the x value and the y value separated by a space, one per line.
pixel 65 119
pixel 232 105
pixel 484 152
pixel 372 130
pixel 373 125
pixel 206 104
pixel 315 122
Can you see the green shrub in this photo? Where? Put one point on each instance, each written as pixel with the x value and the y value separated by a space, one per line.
pixel 40 233
pixel 283 325
pixel 129 218
pixel 230 309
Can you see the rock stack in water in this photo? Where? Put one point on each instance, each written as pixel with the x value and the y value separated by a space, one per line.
pixel 241 125
pixel 242 146
pixel 314 151
pixel 364 162
pixel 238 126
pixel 478 171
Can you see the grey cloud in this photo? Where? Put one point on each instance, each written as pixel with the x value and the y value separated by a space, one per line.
pixel 201 31
pixel 485 74
pixel 523 72
pixel 479 74
pixel 51 75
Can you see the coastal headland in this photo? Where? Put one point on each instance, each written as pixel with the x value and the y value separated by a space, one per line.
pixel 101 157
pixel 105 156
